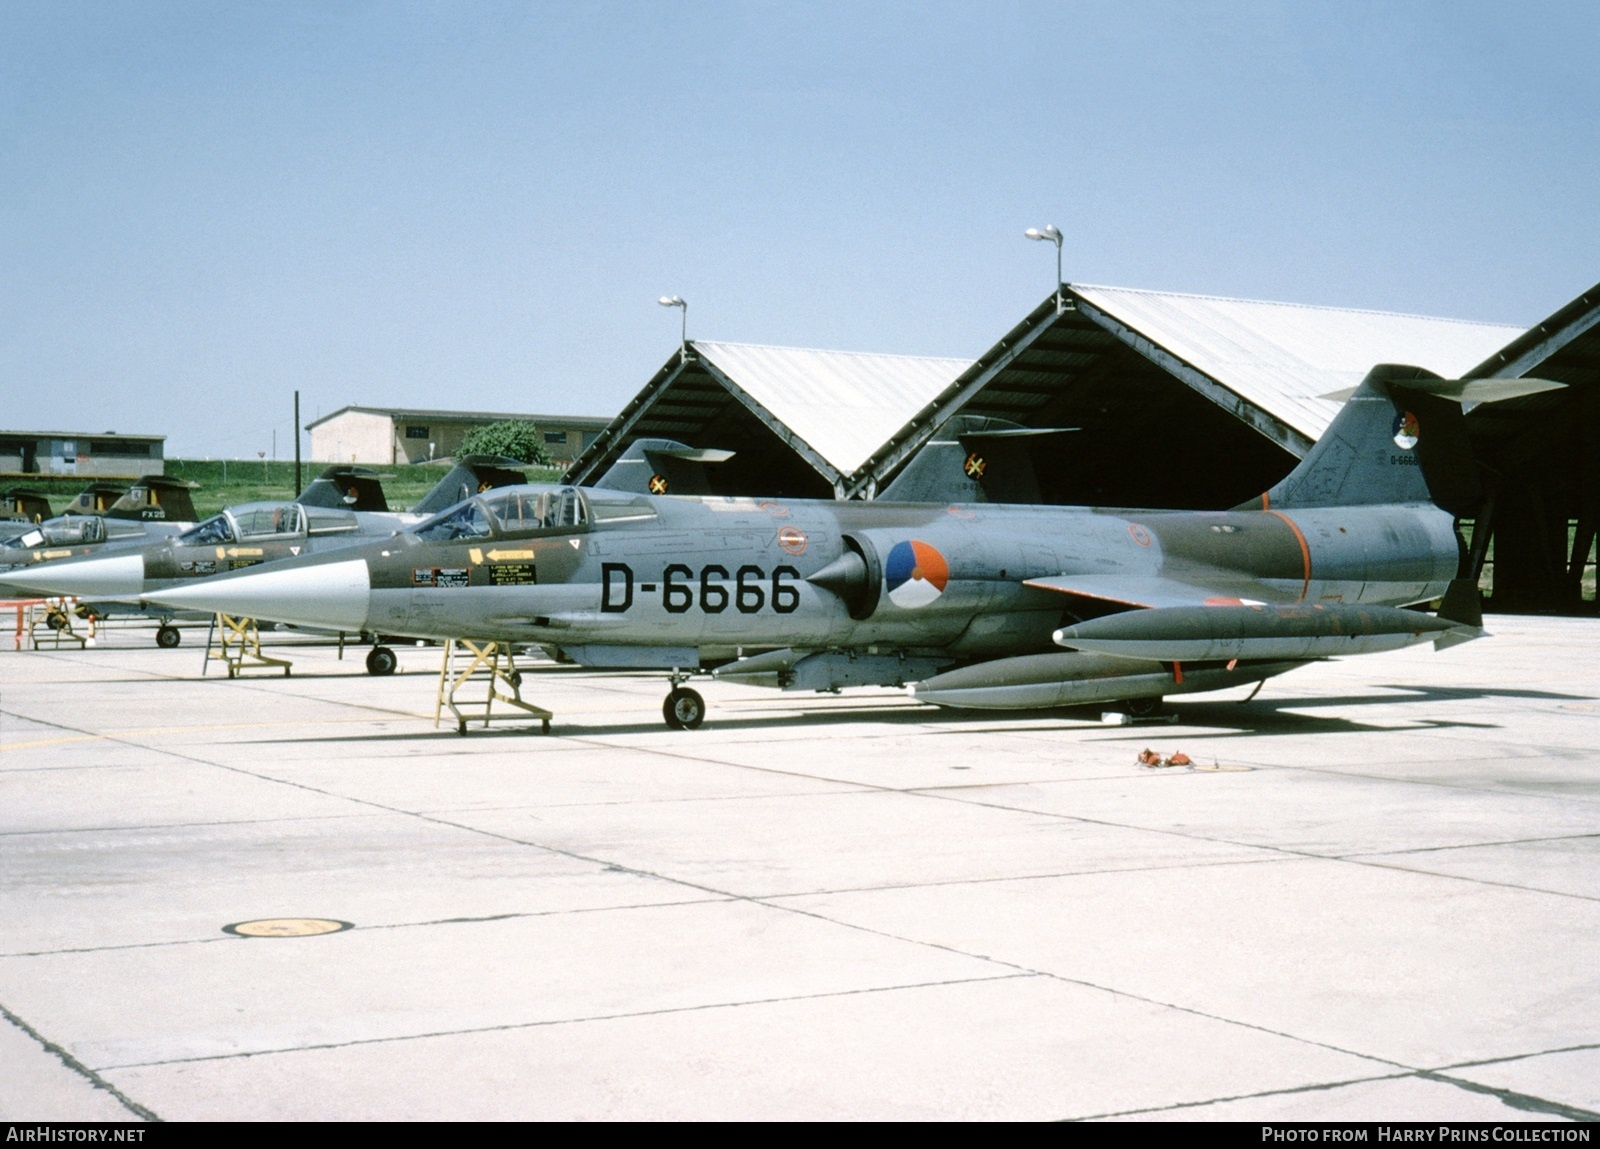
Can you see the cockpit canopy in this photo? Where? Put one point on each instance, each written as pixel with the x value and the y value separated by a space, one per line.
pixel 509 511
pixel 66 531
pixel 248 521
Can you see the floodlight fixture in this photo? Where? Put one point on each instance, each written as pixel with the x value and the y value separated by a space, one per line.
pixel 678 302
pixel 1051 233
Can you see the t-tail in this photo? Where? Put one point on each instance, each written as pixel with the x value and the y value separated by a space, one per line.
pixel 471 475
pixel 1401 437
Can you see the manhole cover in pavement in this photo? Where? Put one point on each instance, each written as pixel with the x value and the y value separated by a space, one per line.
pixel 287 927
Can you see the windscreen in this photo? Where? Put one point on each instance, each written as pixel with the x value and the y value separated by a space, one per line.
pixel 468 521
pixel 216 529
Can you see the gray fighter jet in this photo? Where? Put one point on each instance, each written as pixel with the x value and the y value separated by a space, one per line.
pixel 328 515
pixel 969 605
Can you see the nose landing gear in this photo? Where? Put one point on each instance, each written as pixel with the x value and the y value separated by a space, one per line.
pixel 381 661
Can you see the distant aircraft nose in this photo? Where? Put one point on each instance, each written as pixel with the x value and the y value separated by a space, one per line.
pixel 334 595
pixel 118 576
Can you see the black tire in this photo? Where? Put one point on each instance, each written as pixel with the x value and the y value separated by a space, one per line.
pixel 461 727
pixel 1143 707
pixel 168 637
pixel 515 678
pixel 684 709
pixel 381 661
pixel 56 621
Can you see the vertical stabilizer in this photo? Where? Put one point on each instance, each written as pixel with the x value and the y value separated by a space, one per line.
pixel 1401 437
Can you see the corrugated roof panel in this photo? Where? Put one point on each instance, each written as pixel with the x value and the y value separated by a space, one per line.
pixel 1281 356
pixel 844 404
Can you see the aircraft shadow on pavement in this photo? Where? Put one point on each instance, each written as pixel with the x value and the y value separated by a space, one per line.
pixel 1238 718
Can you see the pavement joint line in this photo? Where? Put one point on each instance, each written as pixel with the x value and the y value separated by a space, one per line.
pixel 846 890
pixel 1287 851
pixel 548 1022
pixel 1520 1101
pixel 1523 1101
pixel 1476 845
pixel 1470 879
pixel 75 1066
pixel 477 920
pixel 1580 1048
pixel 1179 1106
pixel 172 826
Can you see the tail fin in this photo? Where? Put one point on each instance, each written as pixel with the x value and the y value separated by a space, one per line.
pixel 156 498
pixel 1401 437
pixel 663 467
pixel 471 474
pixel 973 459
pixel 27 503
pixel 95 499
pixel 346 488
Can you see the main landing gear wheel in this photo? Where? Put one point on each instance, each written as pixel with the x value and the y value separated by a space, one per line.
pixel 168 637
pixel 381 661
pixel 684 709
pixel 1143 707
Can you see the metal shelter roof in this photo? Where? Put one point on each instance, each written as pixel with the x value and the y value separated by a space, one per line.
pixel 1283 356
pixel 830 408
pixel 1160 383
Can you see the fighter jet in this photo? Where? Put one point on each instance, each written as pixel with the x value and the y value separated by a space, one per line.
pixel 969 605
pixel 247 535
pixel 102 515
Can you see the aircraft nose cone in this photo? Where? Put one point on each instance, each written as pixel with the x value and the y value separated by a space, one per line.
pixel 333 595
pixel 115 576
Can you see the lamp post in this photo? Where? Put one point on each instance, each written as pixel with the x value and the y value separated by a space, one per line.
pixel 683 345
pixel 1052 233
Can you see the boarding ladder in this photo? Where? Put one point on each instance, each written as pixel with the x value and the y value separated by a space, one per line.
pixel 236 643
pixel 468 662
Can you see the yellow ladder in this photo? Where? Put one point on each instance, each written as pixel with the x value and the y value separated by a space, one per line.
pixel 55 615
pixel 491 663
pixel 236 643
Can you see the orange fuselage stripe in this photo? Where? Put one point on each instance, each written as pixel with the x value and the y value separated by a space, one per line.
pixel 1305 551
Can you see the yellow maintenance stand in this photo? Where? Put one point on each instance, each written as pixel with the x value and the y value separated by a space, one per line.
pixel 236 643
pixel 491 663
pixel 56 616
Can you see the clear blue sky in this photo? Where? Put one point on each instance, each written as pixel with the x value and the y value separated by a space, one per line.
pixel 204 206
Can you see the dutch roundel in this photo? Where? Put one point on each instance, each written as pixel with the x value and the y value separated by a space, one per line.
pixel 915 574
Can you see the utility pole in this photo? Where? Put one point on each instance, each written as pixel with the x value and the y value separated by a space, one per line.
pixel 297 487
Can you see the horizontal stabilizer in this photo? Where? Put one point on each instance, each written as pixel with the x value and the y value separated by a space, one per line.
pixel 1466 390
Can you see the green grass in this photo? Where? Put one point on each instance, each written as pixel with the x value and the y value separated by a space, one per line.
pixel 225 483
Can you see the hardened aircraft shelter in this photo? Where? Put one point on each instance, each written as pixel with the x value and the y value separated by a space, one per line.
pixel 800 422
pixel 1195 401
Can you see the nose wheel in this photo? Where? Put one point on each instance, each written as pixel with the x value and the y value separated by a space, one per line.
pixel 168 637
pixel 381 661
pixel 684 709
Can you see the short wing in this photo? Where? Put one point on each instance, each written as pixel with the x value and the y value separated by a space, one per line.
pixel 1155 591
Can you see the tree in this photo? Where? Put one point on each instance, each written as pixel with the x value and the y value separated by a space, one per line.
pixel 515 438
